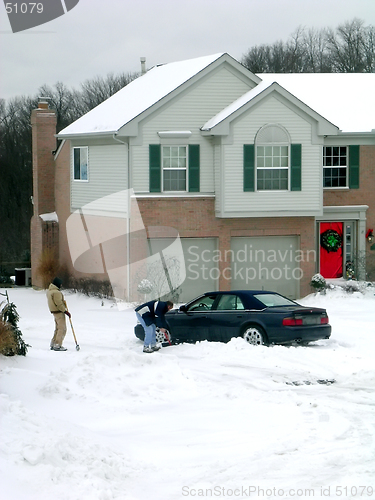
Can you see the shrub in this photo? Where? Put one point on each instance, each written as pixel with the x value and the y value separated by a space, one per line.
pixel 90 287
pixel 318 282
pixel 11 341
pixel 8 344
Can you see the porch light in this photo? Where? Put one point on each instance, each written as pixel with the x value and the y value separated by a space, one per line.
pixel 370 235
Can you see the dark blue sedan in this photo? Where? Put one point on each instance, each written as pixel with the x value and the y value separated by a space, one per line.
pixel 260 317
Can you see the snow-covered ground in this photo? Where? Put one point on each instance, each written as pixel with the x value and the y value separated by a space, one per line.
pixel 208 420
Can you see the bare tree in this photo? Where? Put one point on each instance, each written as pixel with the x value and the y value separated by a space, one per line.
pixel 346 47
pixel 316 57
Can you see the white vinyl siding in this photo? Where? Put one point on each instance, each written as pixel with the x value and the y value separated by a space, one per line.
pixel 236 202
pixel 188 111
pixel 107 175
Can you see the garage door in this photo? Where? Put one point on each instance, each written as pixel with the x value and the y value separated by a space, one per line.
pixel 202 274
pixel 266 263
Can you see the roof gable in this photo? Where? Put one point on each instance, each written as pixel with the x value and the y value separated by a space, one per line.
pixel 346 100
pixel 219 124
pixel 145 92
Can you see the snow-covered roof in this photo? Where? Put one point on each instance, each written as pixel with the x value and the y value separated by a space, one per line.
pixel 345 99
pixel 137 97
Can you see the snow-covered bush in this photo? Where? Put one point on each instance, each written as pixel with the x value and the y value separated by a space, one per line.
pixel 318 282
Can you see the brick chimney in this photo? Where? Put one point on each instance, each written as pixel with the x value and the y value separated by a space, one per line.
pixel 43 122
pixel 43 235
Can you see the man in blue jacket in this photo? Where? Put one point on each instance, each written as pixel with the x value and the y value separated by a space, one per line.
pixel 152 315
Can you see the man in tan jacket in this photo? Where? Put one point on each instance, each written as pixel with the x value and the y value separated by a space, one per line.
pixel 57 306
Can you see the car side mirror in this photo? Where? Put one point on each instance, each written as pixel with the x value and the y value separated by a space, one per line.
pixel 183 309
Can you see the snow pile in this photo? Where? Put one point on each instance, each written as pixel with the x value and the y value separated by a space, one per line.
pixel 205 420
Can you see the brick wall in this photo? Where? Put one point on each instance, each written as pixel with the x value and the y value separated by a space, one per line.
pixel 195 218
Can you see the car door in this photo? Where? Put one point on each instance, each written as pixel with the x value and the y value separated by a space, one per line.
pixel 226 318
pixel 191 323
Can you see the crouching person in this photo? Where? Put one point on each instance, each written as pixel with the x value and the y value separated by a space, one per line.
pixel 150 315
pixel 57 306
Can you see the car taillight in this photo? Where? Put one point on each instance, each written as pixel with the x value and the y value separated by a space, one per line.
pixel 324 320
pixel 292 322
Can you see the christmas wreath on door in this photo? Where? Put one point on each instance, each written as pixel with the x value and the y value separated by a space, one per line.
pixel 331 240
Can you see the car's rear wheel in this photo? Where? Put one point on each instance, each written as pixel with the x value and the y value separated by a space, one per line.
pixel 254 335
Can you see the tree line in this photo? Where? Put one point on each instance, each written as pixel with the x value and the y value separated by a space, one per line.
pixel 348 48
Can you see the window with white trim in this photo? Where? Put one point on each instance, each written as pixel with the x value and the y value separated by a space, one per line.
pixel 174 163
pixel 80 163
pixel 335 166
pixel 272 159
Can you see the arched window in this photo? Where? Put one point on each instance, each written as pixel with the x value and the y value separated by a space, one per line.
pixel 272 158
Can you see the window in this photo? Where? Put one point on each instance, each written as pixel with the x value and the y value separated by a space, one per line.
pixel 335 166
pixel 202 304
pixel 272 159
pixel 272 167
pixel 80 164
pixel 230 303
pixel 174 161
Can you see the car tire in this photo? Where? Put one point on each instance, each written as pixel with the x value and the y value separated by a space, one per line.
pixel 254 335
pixel 160 337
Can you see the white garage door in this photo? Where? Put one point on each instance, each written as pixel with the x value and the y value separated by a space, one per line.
pixel 266 263
pixel 202 274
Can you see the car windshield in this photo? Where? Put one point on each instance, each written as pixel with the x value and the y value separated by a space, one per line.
pixel 273 300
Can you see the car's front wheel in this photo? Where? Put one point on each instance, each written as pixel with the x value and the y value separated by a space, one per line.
pixel 161 337
pixel 254 335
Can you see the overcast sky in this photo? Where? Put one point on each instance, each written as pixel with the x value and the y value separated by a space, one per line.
pixel 98 37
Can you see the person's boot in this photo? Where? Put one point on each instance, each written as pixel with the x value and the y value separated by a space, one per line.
pixel 57 347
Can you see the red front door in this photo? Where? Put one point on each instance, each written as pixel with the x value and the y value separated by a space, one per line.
pixel 331 249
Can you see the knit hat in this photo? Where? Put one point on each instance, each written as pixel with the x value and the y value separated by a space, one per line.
pixel 57 282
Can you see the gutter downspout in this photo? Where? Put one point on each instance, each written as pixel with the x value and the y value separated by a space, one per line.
pixel 127 219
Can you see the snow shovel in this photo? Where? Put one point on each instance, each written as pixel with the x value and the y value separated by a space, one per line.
pixel 74 335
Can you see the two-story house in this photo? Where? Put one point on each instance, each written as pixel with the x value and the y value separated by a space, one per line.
pixel 264 180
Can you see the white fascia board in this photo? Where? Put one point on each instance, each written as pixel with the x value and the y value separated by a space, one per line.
pixel 88 134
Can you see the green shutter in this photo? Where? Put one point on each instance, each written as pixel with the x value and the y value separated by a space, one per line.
pixel 354 167
pixel 155 168
pixel 295 167
pixel 194 168
pixel 248 167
